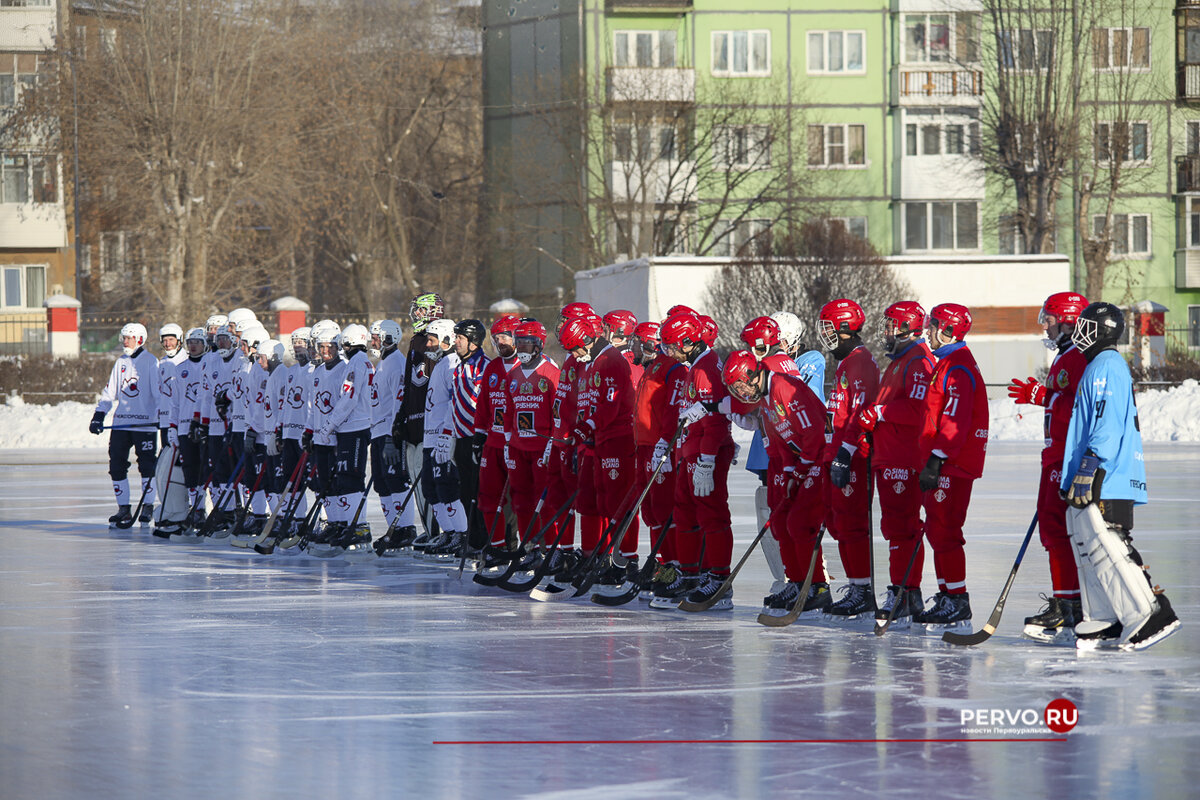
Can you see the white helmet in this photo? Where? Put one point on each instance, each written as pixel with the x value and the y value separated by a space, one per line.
pixel 195 334
pixel 242 325
pixel 304 334
pixel 791 329
pixel 389 334
pixel 255 335
pixel 326 332
pixel 216 321
pixel 272 350
pixel 136 330
pixel 171 329
pixel 239 315
pixel 355 335
pixel 224 330
pixel 443 330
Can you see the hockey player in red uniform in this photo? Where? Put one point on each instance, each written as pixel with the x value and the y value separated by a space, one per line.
pixel 953 445
pixel 1058 317
pixel 761 336
pixel 701 487
pixel 619 327
pixel 529 390
pixel 489 439
pixel 894 423
pixel 794 420
pixel 848 493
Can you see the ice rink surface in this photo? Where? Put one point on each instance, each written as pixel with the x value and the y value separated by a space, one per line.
pixel 134 667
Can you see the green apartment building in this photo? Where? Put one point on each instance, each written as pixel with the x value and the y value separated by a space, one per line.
pixel 616 129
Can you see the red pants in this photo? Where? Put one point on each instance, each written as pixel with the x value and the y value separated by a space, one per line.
pixel 616 476
pixel 846 519
pixel 659 502
pixel 587 502
pixel 796 520
pixel 900 521
pixel 562 482
pixel 493 473
pixel 1052 528
pixel 528 485
pixel 704 536
pixel 945 513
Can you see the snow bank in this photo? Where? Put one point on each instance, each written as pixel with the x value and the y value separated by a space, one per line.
pixel 1167 415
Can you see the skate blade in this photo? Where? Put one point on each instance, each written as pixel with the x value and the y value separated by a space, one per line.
pixel 323 551
pixel 1129 647
pixel 666 603
pixel 898 624
pixel 397 552
pixel 243 541
pixel 612 590
pixel 216 536
pixel 551 592
pixel 839 619
pixel 646 595
pixel 1056 636
pixel 358 554
pixel 187 538
pixel 938 628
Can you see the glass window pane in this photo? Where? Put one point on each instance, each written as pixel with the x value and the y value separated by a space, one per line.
pixel 914 38
pixel 967 228
pixel 761 46
pixel 621 49
pixel 941 219
pixel 836 141
pixel 666 48
pixel 1192 45
pixel 939 37
pixel 721 52
pixel 1103 152
pixel 914 226
pixel 954 139
pixel 930 140
pixel 1026 51
pixel 1120 234
pixel 857 150
pixel 741 55
pixel 1045 49
pixel 816 144
pixel 857 226
pixel 966 38
pixel 645 49
pixel 666 143
pixel 622 143
pixel 854 52
pixel 16 179
pixel 1140 141
pixel 1193 138
pixel 45 179
pixel 8 92
pixel 1005 50
pixel 835 52
pixel 1141 234
pixel 1120 47
pixel 1100 48
pixel 910 140
pixel 816 52
pixel 35 286
pixel 12 286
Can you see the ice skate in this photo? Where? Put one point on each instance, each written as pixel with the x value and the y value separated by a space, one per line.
pixel 907 603
pixel 947 612
pixel 1162 623
pixel 707 588
pixel 617 580
pixel 671 586
pixel 247 533
pixel 322 544
pixel 1055 624
pixel 396 542
pixel 355 543
pixel 856 602
pixel 779 602
pixel 122 519
pixel 147 514
pixel 167 529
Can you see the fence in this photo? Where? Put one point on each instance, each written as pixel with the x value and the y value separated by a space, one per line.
pixel 23 334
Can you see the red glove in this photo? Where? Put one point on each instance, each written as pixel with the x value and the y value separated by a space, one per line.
pixel 1027 392
pixel 869 417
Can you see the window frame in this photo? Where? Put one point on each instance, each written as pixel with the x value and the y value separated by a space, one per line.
pixel 928 225
pixel 32 159
pixel 761 143
pixel 729 71
pixel 726 239
pixel 23 286
pixel 845 221
pixel 1010 55
pixel 1109 66
pixel 1130 254
pixel 1125 162
pixel 845 127
pixel 825 39
pixel 656 48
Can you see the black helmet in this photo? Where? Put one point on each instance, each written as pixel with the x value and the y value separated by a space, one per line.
pixel 1099 327
pixel 473 330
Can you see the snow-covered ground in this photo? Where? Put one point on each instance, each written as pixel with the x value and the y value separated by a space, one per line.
pixel 1168 415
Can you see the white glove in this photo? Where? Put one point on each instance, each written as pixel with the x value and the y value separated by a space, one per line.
pixel 725 406
pixel 173 437
pixel 702 476
pixel 693 413
pixel 324 432
pixel 443 448
pixel 661 452
pixel 544 461
pixel 508 462
pixel 272 443
pixel 746 422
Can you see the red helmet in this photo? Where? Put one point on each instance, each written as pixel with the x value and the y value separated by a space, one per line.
pixel 839 316
pixel 647 331
pixel 708 330
pixel 505 324
pixel 951 319
pixel 531 329
pixel 681 329
pixel 620 322
pixel 597 323
pixel 761 332
pixel 680 309
pixel 577 310
pixel 577 332
pixel 740 366
pixel 1065 307
pixel 907 316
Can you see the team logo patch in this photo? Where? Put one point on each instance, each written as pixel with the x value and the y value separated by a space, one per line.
pixel 808 483
pixel 492 380
pixel 129 387
pixel 939 495
pixel 596 379
pixel 524 420
pixel 848 490
pixel 1063 380
pixel 691 392
pixel 779 410
pixel 898 487
pixel 526 388
pixel 543 385
pixel 185 373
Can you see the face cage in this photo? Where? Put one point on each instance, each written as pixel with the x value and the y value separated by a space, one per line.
pixel 1087 333
pixel 828 334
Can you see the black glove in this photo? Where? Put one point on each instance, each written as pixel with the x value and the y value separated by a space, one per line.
pixel 306 442
pixel 199 433
pixel 96 426
pixel 223 402
pixel 391 454
pixel 839 469
pixel 1085 485
pixel 249 439
pixel 929 476
pixel 398 427
pixel 477 442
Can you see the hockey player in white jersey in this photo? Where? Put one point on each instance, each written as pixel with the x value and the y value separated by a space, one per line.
pixel 185 424
pixel 170 336
pixel 318 439
pixel 266 397
pixel 132 394
pixel 439 477
pixel 293 420
pixel 387 456
pixel 215 418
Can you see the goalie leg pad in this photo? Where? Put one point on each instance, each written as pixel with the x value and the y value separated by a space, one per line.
pixel 770 546
pixel 1113 585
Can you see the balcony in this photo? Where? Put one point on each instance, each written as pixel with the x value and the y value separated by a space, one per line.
pixel 1187 83
pixel 653 182
pixel 651 85
pixel 648 5
pixel 937 87
pixel 1187 174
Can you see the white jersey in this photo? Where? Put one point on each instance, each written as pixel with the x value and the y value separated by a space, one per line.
pixel 326 386
pixel 132 389
pixel 189 375
pixel 218 380
pixel 352 406
pixel 439 399
pixel 166 392
pixel 275 399
pixel 387 391
pixel 241 393
pixel 256 414
pixel 297 388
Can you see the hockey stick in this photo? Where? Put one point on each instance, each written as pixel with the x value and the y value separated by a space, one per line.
pixel 487 580
pixel 294 482
pixel 403 505
pixel 162 502
pixel 301 535
pixel 881 629
pixel 797 608
pixel 462 560
pixel 968 639
pixel 644 575
pixel 267 548
pixel 223 495
pixel 534 583
pixel 137 511
pixel 707 604
pixel 243 511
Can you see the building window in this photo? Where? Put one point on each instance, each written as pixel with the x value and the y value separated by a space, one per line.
pixel 938 137
pixel 1026 49
pixel 24 287
pixel 734 238
pixel 1130 233
pixel 644 49
pixel 108 41
pixel 837 145
pixel 644 143
pixel 26 177
pixel 837 52
pixel 1118 48
pixel 18 74
pixel 25 3
pixel 1126 142
pixel 745 147
pixel 1193 138
pixel 81 41
pixel 941 226
pixel 1193 336
pixel 942 38
pixel 741 53
pixel 1190 232
pixel 855 226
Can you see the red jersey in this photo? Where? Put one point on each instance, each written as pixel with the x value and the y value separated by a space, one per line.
pixel 855 384
pixel 1061 384
pixel 956 413
pixel 704 385
pixel 794 419
pixel 529 400
pixel 656 400
pixel 902 394
pixel 776 362
pixel 489 406
pixel 563 409
pixel 609 395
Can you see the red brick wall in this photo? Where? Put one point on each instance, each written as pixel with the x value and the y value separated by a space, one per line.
pixel 1005 319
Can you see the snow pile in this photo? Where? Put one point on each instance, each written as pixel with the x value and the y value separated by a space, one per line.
pixel 26 425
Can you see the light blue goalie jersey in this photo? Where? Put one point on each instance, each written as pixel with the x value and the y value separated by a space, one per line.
pixel 812 371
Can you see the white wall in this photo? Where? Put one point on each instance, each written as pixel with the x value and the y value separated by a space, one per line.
pixel 28 28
